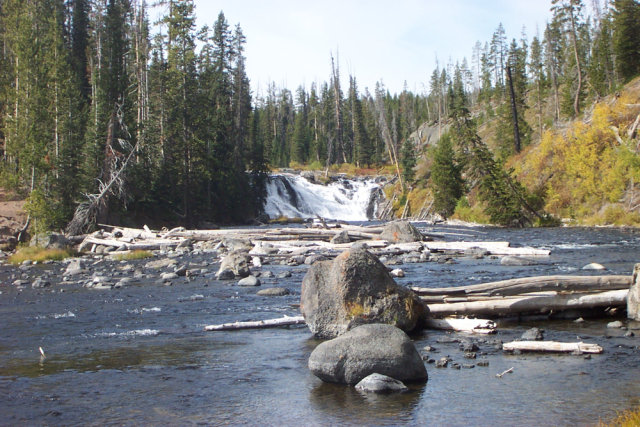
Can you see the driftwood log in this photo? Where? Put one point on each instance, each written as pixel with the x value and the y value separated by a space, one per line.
pixel 258 324
pixel 531 304
pixel 552 347
pixel 533 284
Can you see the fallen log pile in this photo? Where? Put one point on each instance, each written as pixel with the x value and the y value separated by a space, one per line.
pixel 288 240
pixel 529 295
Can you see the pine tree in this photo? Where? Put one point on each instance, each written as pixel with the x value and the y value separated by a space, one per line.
pixel 363 150
pixel 408 161
pixel 300 146
pixel 446 179
pixel 626 24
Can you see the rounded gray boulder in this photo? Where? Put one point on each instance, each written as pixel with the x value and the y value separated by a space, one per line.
pixel 368 349
pixel 354 289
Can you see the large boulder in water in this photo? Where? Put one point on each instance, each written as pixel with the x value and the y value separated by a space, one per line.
pixel 237 262
pixel 368 349
pixel 401 232
pixel 356 289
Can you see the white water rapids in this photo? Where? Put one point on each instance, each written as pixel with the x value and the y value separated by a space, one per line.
pixel 346 199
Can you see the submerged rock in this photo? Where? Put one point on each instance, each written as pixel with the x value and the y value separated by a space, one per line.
pixel 594 266
pixel 368 349
pixel 533 334
pixel 377 383
pixel 516 261
pixel 356 289
pixel 401 232
pixel 274 292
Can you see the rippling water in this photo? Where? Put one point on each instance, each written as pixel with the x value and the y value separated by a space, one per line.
pixel 138 355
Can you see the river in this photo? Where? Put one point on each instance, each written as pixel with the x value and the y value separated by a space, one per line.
pixel 138 355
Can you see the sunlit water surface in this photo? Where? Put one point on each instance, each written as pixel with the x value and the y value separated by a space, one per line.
pixel 138 355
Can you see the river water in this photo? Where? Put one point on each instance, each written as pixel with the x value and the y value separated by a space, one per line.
pixel 138 355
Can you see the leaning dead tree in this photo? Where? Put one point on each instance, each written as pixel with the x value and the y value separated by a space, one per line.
pixel 112 182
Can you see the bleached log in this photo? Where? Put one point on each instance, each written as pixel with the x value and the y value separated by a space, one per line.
pixel 533 284
pixel 478 326
pixel 172 232
pixel 133 233
pixel 506 371
pixel 494 248
pixel 146 244
pixel 531 304
pixel 552 347
pixel 258 324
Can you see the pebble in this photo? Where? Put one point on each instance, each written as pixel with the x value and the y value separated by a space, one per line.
pixel 468 347
pixel 249 281
pixel 226 275
pixel 168 276
pixel 284 275
pixel 181 271
pixel 397 272
pixel 615 325
pixel 40 283
pixel 442 362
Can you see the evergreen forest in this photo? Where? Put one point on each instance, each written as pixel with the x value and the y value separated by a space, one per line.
pixel 108 117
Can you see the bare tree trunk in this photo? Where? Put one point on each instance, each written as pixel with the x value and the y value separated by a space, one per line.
pixel 574 41
pixel 514 112
pixel 338 111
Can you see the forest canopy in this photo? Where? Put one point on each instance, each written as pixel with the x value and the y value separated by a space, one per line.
pixel 105 113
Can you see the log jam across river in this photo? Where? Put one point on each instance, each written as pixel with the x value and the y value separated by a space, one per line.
pixel 138 355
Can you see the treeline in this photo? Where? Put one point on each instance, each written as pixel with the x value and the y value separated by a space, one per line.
pixel 102 109
pixel 96 110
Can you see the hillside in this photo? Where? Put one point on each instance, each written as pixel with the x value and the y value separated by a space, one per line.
pixel 588 169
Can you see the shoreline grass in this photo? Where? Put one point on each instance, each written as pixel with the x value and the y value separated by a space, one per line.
pixel 133 255
pixel 37 254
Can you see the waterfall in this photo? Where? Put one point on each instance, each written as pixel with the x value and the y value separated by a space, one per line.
pixel 344 199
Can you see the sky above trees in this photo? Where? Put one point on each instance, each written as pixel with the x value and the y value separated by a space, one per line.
pixel 289 42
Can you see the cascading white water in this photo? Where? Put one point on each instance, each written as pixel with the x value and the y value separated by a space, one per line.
pixel 295 197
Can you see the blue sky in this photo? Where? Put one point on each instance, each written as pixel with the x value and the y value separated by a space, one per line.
pixel 289 42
